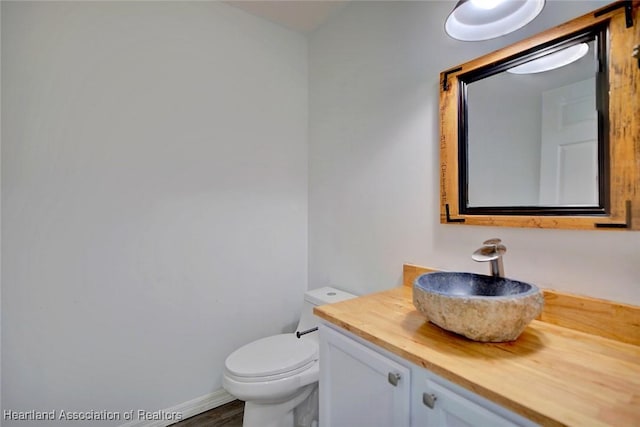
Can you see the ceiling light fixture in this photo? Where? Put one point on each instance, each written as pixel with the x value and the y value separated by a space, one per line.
pixel 473 20
pixel 553 60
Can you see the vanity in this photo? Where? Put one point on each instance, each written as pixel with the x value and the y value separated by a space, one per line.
pixel 384 364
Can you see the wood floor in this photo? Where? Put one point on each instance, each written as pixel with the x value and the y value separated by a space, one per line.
pixel 229 415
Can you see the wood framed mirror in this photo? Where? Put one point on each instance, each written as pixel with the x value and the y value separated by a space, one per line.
pixel 521 147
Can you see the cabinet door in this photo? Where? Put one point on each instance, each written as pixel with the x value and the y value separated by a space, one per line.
pixel 359 386
pixel 450 409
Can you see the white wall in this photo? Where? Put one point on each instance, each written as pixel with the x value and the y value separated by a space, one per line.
pixel 154 198
pixel 373 169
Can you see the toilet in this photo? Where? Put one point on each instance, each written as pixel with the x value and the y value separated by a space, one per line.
pixel 277 376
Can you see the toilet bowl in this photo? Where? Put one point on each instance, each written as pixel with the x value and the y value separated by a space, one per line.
pixel 277 376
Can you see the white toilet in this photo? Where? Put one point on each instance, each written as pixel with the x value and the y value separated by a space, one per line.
pixel 277 376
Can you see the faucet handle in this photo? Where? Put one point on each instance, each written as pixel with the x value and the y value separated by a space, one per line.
pixel 494 242
pixel 491 247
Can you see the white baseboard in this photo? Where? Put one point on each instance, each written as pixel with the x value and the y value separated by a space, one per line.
pixel 185 410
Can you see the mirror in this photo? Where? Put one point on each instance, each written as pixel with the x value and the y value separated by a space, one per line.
pixel 546 125
pixel 525 147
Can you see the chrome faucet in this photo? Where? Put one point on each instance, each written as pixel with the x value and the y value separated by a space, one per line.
pixel 492 251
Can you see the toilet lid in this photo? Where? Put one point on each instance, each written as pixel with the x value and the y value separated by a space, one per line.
pixel 271 356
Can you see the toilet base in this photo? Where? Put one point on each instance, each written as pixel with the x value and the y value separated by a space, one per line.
pixel 280 414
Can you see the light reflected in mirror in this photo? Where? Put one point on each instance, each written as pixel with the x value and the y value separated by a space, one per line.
pixel 552 61
pixel 532 139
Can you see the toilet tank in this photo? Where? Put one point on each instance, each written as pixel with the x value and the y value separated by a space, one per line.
pixel 316 297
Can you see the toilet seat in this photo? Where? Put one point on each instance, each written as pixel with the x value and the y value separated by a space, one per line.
pixel 271 358
pixel 271 378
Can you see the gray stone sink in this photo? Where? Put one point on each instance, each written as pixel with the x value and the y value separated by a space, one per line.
pixel 482 308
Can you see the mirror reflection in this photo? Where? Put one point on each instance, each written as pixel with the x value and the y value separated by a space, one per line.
pixel 532 135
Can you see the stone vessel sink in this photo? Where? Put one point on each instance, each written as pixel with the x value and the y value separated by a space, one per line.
pixel 482 308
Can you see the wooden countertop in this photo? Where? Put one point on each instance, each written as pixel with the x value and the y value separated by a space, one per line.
pixel 552 374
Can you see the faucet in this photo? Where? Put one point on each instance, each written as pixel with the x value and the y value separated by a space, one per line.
pixel 492 251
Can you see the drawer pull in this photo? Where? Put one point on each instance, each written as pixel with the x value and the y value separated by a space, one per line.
pixel 429 399
pixel 393 378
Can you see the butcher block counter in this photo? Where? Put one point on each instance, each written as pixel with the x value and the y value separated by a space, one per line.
pixel 578 364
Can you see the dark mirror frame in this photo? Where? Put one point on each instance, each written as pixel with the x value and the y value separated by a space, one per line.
pixel 617 33
pixel 598 33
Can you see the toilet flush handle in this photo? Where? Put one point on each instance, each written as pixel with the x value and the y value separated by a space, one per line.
pixel 308 331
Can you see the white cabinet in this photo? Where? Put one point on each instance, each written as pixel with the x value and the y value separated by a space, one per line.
pixel 360 386
pixel 364 385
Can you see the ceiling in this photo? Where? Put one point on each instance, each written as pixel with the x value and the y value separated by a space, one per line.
pixel 301 15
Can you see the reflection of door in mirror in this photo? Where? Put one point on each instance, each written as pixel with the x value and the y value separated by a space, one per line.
pixel 569 149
